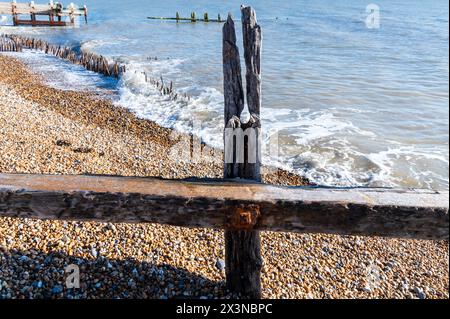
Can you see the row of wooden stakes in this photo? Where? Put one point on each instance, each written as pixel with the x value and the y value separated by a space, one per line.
pixel 165 89
pixel 90 61
pixel 9 45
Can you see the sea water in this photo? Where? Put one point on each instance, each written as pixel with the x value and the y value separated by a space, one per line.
pixel 352 103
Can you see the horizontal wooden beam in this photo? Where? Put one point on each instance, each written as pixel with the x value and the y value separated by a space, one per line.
pixel 41 23
pixel 420 214
pixel 39 9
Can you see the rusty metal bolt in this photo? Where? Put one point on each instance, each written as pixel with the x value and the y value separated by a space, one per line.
pixel 244 217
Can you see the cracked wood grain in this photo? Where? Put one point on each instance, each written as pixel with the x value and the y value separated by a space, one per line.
pixel 419 214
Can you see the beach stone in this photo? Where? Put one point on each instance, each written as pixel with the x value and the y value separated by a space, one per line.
pixel 37 284
pixel 420 293
pixel 111 227
pixel 220 264
pixel 367 288
pixel 56 290
pixel 63 143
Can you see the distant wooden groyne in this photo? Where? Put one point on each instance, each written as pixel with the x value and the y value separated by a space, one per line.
pixel 55 12
pixel 192 18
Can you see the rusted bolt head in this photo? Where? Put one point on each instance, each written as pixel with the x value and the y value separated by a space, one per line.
pixel 244 217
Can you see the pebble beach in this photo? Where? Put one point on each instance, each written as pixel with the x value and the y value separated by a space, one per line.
pixel 44 130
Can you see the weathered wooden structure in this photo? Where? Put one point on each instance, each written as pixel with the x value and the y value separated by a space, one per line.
pixel 9 45
pixel 239 204
pixel 90 61
pixel 227 204
pixel 192 18
pixel 243 247
pixel 54 13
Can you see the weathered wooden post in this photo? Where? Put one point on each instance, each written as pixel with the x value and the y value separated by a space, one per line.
pixel 51 17
pixel 85 14
pixel 33 15
pixel 14 12
pixel 71 14
pixel 242 153
pixel 59 7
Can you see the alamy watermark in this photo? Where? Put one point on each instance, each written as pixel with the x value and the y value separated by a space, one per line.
pixel 240 145
pixel 73 278
pixel 373 17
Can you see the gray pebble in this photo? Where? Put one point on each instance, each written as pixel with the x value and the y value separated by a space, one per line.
pixel 57 289
pixel 420 293
pixel 220 264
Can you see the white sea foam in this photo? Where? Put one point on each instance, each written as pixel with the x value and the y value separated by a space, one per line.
pixel 63 75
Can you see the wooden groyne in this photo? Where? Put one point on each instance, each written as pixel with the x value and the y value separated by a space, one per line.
pixel 90 61
pixel 55 12
pixel 9 45
pixel 192 18
pixel 166 89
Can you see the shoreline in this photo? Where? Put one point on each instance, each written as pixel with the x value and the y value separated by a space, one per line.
pixel 46 130
pixel 90 110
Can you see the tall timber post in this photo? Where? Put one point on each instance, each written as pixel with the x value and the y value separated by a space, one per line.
pixel 242 145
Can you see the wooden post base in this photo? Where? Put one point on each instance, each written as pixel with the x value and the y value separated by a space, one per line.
pixel 243 262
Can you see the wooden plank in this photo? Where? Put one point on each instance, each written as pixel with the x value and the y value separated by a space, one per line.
pixel 68 12
pixel 41 23
pixel 38 9
pixel 420 214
